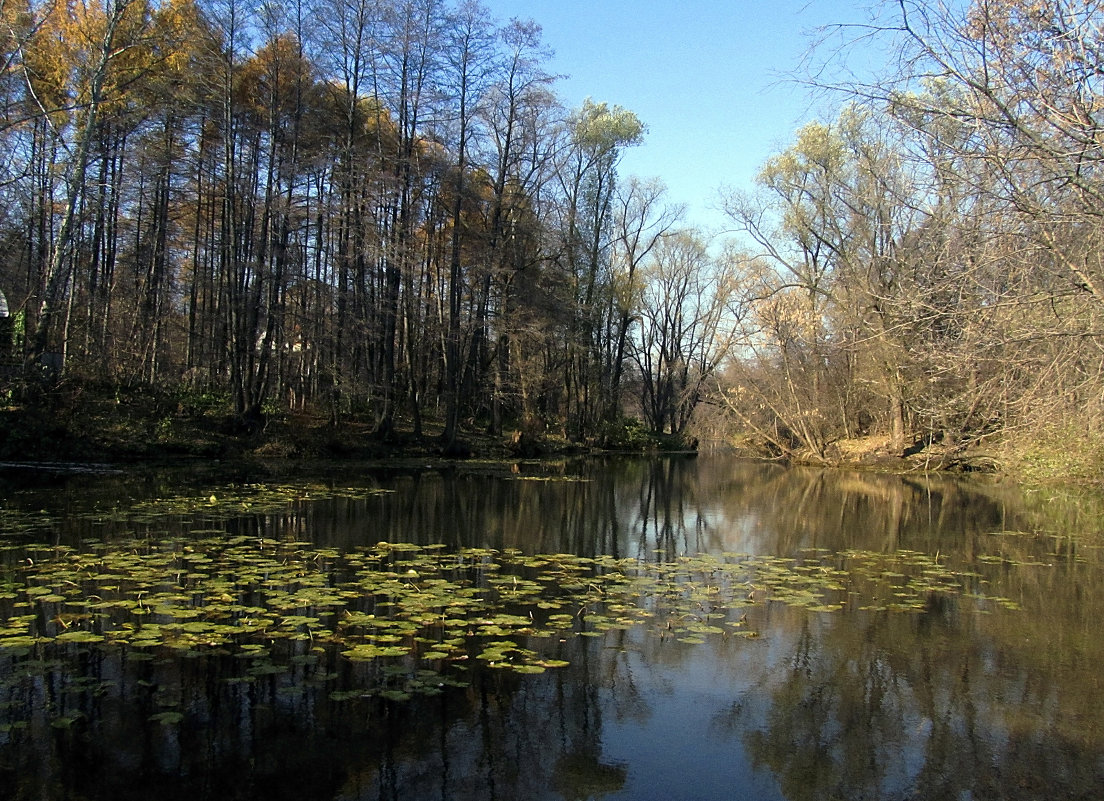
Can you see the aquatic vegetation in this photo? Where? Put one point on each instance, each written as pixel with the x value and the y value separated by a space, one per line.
pixel 422 609
pixel 220 503
pixel 393 619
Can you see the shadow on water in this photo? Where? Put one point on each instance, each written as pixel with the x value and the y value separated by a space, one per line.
pixel 987 689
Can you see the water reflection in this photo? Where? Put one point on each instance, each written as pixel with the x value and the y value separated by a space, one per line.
pixel 634 508
pixel 963 699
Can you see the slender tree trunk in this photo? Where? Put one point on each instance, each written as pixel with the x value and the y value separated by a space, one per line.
pixel 59 264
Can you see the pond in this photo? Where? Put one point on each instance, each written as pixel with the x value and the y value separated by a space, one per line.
pixel 681 628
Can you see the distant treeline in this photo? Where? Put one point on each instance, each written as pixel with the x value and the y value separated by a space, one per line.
pixel 380 207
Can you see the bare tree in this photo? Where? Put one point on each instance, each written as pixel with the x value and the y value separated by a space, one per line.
pixel 642 220
pixel 684 332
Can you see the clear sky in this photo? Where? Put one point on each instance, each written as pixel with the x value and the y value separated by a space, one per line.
pixel 706 76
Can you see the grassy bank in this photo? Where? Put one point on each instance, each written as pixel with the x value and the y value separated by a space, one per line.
pixel 1051 454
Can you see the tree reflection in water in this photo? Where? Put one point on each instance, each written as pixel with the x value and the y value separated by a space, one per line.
pixel 963 699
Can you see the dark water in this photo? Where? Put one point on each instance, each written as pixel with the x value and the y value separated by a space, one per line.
pixel 992 693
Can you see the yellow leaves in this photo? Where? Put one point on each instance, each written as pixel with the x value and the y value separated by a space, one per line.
pixel 603 128
pixel 790 316
pixel 818 149
pixel 82 47
pixel 46 63
pixel 120 50
pixel 276 81
pixel 178 37
pixel 818 144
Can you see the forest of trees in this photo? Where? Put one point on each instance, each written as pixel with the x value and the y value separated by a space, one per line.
pixel 355 206
pixel 381 208
pixel 932 263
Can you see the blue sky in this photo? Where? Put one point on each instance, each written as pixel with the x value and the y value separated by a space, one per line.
pixel 705 76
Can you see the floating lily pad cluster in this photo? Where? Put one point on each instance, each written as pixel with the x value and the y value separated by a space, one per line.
pixel 234 500
pixel 221 503
pixel 14 522
pixel 905 581
pixel 422 606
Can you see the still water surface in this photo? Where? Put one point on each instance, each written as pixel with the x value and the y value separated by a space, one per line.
pixel 876 637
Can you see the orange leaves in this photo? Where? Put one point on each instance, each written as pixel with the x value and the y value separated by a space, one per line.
pixel 178 38
pixel 80 48
pixel 123 52
pixel 274 79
